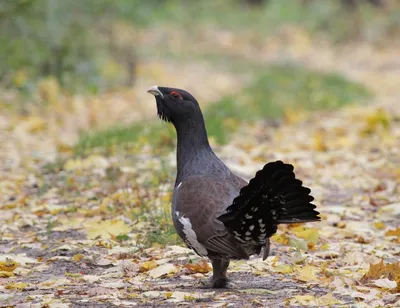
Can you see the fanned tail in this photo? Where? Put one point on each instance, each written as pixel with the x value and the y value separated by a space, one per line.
pixel 274 196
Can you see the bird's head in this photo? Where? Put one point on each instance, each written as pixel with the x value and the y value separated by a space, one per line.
pixel 175 105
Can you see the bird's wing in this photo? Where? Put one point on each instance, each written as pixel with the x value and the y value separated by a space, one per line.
pixel 201 199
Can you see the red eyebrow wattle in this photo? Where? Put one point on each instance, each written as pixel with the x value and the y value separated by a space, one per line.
pixel 176 93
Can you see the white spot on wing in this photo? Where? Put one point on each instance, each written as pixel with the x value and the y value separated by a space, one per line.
pixel 179 185
pixel 251 227
pixel 191 236
pixel 247 216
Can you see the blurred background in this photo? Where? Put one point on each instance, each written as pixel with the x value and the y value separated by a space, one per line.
pixel 77 71
pixel 315 83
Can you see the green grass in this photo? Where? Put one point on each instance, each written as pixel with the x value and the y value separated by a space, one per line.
pixel 274 90
pixel 277 89
pixel 328 17
pixel 134 135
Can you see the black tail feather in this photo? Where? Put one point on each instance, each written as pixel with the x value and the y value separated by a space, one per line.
pixel 274 196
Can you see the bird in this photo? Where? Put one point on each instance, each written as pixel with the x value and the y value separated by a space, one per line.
pixel 217 213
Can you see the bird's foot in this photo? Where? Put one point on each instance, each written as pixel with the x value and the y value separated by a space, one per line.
pixel 220 283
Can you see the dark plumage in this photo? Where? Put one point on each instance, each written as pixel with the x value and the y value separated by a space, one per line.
pixel 217 213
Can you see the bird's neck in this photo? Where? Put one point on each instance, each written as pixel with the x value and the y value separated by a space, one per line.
pixel 193 150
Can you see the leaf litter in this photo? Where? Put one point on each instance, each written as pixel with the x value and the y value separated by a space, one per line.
pixel 75 236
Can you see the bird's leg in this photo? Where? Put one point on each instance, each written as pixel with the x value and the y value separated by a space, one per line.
pixel 220 267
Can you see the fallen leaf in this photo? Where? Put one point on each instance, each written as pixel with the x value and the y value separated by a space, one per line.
pixel 258 291
pixel 327 300
pixel 51 283
pixel 16 286
pixel 8 265
pixel 147 266
pixel 299 244
pixel 78 257
pixel 106 229
pixel 284 269
pixel 103 262
pixel 162 270
pixel 382 270
pixel 379 225
pixel 395 232
pixel 385 283
pixel 90 278
pixel 151 294
pixel 319 141
pixel 96 291
pixel 179 296
pixel 309 234
pixel 4 274
pixel 91 162
pixel 200 267
pixel 128 268
pixel 280 238
pixel 113 285
pixel 303 299
pixel 379 118
pixel 307 273
pixel 19 258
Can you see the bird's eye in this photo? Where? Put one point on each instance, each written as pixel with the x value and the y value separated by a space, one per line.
pixel 176 95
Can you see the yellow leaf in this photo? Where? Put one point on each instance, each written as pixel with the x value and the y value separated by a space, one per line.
pixel 35 124
pixel 16 286
pixel 393 233
pixel 284 269
pixel 148 265
pixel 324 246
pixel 49 89
pixel 307 273
pixel 309 234
pixel 292 116
pixel 8 265
pixel 319 142
pixel 189 298
pixel 91 162
pixel 73 275
pixel 4 274
pixel 327 300
pixel 78 257
pixel 106 229
pixel 299 244
pixel 382 270
pixel 379 119
pixel 280 238
pixel 379 225
pixel 200 267
pixel 304 299
pixel 20 77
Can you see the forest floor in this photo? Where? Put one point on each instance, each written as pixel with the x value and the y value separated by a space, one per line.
pixel 72 231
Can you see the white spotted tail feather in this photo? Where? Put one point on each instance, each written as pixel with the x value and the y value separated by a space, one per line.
pixel 274 196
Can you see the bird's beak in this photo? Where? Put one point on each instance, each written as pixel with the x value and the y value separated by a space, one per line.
pixel 155 91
